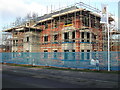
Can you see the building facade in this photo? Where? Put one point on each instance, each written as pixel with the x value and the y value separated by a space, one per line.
pixel 71 29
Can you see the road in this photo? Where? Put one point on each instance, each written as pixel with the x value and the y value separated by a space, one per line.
pixel 24 77
pixel 21 81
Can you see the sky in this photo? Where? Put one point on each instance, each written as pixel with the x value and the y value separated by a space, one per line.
pixel 10 9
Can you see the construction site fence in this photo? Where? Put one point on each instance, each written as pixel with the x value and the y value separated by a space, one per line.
pixel 79 60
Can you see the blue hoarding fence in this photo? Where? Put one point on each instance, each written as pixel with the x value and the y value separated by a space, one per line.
pixel 83 60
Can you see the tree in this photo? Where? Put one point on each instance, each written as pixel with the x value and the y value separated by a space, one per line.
pixel 34 16
pixel 18 21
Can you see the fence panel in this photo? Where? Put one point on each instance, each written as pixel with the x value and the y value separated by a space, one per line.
pixel 84 60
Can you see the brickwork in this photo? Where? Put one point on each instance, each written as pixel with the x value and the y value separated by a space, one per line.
pixel 75 30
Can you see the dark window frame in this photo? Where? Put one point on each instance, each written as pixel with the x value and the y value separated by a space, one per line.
pixel 82 36
pixel 27 39
pixel 66 36
pixel 45 38
pixel 46 25
pixel 73 36
pixel 45 50
pixel 68 21
pixel 56 36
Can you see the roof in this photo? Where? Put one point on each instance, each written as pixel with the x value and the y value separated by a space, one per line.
pixel 22 28
pixel 65 11
pixel 72 11
pixel 44 18
pixel 57 12
pixel 62 12
pixel 50 16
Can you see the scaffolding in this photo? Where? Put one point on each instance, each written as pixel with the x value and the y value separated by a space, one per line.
pixel 70 31
pixel 74 32
pixel 6 42
pixel 75 28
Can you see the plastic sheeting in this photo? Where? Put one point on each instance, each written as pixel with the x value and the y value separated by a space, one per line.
pixel 64 59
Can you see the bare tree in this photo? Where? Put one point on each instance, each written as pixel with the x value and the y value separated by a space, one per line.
pixel 18 21
pixel 28 17
pixel 6 41
pixel 34 16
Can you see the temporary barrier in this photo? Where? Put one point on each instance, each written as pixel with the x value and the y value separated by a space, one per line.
pixel 83 60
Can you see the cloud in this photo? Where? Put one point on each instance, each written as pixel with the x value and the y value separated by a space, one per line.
pixel 14 8
pixel 104 0
pixel 10 9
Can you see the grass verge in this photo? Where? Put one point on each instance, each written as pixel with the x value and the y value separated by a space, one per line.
pixel 62 68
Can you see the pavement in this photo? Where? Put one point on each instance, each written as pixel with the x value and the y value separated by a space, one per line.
pixel 26 77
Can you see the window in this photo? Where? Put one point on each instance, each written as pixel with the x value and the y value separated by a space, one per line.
pixel 73 50
pixel 16 41
pixel 45 38
pixel 66 55
pixel 22 40
pixel 13 41
pixel 86 21
pixel 82 36
pixel 88 40
pixel 93 21
pixel 45 54
pixel 93 36
pixel 55 54
pixel 82 54
pixel 27 50
pixel 66 36
pixel 45 50
pixel 73 36
pixel 55 50
pixel 55 25
pixel 56 37
pixel 97 22
pixel 15 33
pixel 82 50
pixel 28 24
pixel 88 54
pixel 46 25
pixel 88 50
pixel 27 39
pixel 88 37
pixel 66 50
pixel 73 55
pixel 68 21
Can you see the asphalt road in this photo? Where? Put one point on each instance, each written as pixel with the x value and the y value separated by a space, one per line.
pixel 13 80
pixel 24 77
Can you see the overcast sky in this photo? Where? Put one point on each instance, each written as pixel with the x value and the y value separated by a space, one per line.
pixel 10 9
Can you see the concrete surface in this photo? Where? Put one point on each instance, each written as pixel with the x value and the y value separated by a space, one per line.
pixel 24 77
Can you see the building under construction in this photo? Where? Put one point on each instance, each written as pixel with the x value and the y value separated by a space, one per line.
pixel 76 28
